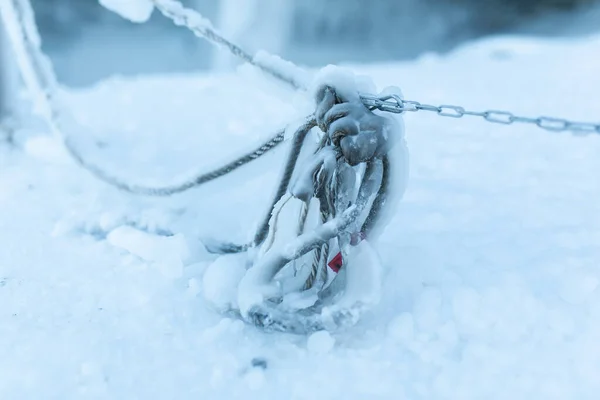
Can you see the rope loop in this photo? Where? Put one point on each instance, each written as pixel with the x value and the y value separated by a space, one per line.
pixel 329 207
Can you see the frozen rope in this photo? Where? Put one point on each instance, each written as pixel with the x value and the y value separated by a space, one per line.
pixel 321 254
pixel 288 170
pixel 201 27
pixel 319 263
pixel 347 197
pixel 266 314
pixel 284 181
pixel 39 76
pixel 190 183
pixel 40 79
pixel 192 20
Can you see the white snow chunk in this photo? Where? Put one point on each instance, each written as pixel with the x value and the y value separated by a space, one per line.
pixel 286 68
pixel 391 91
pixel 363 276
pixel 320 342
pixel 133 10
pixel 300 300
pixel 221 279
pixel 168 253
pixel 346 83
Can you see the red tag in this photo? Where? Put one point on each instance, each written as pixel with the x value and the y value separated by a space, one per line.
pixel 336 262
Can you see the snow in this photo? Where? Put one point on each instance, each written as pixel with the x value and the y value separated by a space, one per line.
pixel 363 276
pixel 320 342
pixel 134 10
pixel 221 279
pixel 47 149
pixel 288 69
pixel 490 278
pixel 346 82
pixel 167 253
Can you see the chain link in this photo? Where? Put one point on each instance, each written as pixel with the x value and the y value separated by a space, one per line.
pixel 180 15
pixel 395 104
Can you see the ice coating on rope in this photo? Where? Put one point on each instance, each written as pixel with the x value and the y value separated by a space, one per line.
pixel 189 18
pixel 221 279
pixel 346 83
pixel 35 67
pixel 302 186
pixel 134 10
pixel 349 86
pixel 30 74
pixel 257 284
pixel 284 67
pixel 363 277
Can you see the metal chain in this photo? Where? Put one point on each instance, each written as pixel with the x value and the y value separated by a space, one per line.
pixel 395 104
pixel 192 20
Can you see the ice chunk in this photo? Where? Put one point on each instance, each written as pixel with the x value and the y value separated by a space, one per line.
pixel 346 83
pixel 363 284
pixel 133 10
pixel 391 91
pixel 285 68
pixel 320 342
pixel 221 280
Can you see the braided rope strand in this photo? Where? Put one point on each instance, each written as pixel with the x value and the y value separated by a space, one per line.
pixel 40 78
pixel 199 26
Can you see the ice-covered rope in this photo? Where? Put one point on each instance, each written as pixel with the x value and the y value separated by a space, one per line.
pixel 39 76
pixel 41 82
pixel 332 175
pixel 280 69
pixel 289 73
pixel 259 278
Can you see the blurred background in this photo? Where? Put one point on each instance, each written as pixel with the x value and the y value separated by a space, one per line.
pixel 88 43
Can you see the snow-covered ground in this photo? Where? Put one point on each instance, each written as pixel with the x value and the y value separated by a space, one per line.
pixel 492 258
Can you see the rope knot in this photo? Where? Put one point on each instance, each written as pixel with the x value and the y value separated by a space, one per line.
pixel 359 133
